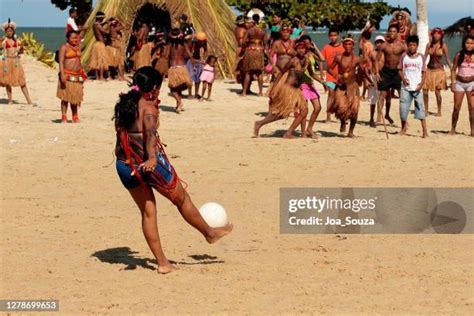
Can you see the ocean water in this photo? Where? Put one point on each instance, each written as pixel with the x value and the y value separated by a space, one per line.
pixel 54 37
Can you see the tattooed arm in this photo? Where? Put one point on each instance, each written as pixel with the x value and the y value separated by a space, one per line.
pixel 150 124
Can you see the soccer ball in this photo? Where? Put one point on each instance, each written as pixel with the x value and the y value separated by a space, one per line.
pixel 214 214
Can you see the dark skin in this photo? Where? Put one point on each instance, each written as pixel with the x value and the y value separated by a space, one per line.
pixel 284 49
pixel 115 34
pixel 239 32
pixel 348 64
pixel 333 41
pixel 412 53
pixel 99 32
pixel 12 52
pixel 375 64
pixel 392 50
pixel 436 42
pixel 459 95
pixel 72 64
pixel 295 64
pixel 147 122
pixel 200 46
pixel 177 55
pixel 253 34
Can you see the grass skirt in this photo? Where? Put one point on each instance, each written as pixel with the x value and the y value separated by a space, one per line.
pixel 347 101
pixel 1 72
pixel 142 57
pixel 100 56
pixel 178 76
pixel 435 80
pixel 71 92
pixel 162 66
pixel 253 60
pixel 12 73
pixel 285 98
pixel 116 56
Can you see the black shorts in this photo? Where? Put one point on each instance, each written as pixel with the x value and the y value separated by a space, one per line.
pixel 389 79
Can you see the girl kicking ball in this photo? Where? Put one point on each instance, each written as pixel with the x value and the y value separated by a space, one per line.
pixel 142 163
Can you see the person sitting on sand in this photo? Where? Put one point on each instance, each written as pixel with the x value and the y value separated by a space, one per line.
pixel 71 76
pixel 178 75
pixel 347 94
pixel 462 78
pixel 142 163
pixel 207 76
pixel 99 57
pixel 12 71
pixel 412 70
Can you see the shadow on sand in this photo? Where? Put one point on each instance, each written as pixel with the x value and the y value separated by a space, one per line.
pixel 126 256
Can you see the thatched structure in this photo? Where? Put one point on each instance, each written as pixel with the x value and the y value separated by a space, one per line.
pixel 213 17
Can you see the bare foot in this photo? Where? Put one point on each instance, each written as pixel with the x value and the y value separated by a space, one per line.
pixel 425 135
pixel 438 114
pixel 452 132
pixel 351 135
pixel 256 129
pixel 389 119
pixel 165 268
pixel 403 132
pixel 219 232
pixel 288 136
pixel 372 124
pixel 201 99
pixel 10 102
pixel 343 128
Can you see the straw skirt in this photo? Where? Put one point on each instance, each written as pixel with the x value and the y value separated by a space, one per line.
pixel 253 60
pixel 100 57
pixel 435 80
pixel 71 92
pixel 178 76
pixel 347 101
pixel 12 73
pixel 285 98
pixel 142 57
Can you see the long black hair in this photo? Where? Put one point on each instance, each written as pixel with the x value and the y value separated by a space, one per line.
pixel 126 109
pixel 464 51
pixel 441 43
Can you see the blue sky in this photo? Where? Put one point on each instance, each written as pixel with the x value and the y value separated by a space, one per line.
pixel 43 13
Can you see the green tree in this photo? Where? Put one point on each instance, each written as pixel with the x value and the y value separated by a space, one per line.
pixel 346 14
pixel 84 7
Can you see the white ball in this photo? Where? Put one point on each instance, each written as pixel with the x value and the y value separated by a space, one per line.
pixel 214 214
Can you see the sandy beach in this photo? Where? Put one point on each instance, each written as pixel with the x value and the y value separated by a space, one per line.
pixel 71 232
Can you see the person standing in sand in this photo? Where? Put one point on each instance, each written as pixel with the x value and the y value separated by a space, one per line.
pixel 239 33
pixel 71 76
pixel 178 75
pixel 12 71
pixel 160 54
pixel 281 52
pixel 347 94
pixel 142 164
pixel 199 51
pixel 287 98
pixel 100 56
pixel 329 52
pixel 117 50
pixel 435 81
pixel 412 70
pixel 303 57
pixel 388 77
pixel 375 63
pixel 462 78
pixel 253 60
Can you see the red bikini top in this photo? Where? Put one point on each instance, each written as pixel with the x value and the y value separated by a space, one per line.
pixel 7 44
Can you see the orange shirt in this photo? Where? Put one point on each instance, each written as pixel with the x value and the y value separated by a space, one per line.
pixel 329 52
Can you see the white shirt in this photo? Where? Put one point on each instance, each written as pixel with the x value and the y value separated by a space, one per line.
pixel 72 24
pixel 412 68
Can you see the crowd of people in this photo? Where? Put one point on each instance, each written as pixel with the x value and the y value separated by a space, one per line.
pixel 289 59
pixel 388 67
